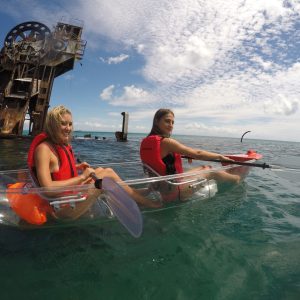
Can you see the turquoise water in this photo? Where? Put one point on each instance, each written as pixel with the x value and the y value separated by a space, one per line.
pixel 242 244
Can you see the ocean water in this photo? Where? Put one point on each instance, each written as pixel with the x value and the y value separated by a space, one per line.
pixel 242 244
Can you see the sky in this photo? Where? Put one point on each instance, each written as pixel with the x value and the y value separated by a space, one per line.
pixel 224 67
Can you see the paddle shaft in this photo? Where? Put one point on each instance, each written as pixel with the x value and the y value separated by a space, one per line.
pixel 98 181
pixel 293 174
pixel 241 163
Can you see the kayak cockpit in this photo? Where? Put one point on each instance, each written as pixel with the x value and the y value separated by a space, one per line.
pixel 72 203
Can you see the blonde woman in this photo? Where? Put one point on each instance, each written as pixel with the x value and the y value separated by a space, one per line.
pixel 52 162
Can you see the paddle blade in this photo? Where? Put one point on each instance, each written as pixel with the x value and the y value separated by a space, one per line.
pixel 124 207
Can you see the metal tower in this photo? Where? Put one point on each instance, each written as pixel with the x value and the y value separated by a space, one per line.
pixel 32 56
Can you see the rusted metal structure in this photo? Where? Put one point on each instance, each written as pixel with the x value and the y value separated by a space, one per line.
pixel 121 136
pixel 32 56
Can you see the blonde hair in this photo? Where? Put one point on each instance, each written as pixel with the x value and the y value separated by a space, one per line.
pixel 53 122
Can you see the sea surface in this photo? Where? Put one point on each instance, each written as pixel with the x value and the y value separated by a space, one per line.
pixel 242 244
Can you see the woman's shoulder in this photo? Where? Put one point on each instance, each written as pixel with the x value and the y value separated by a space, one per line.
pixel 44 147
pixel 168 142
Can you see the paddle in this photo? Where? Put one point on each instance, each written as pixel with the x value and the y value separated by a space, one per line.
pixel 122 205
pixel 241 163
pixel 277 168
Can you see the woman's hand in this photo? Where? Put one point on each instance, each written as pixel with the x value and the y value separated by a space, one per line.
pixel 224 158
pixel 82 166
pixel 86 175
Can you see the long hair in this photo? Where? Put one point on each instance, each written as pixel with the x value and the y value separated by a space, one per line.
pixel 53 122
pixel 157 117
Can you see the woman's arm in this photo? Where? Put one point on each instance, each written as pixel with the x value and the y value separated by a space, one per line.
pixel 169 145
pixel 44 161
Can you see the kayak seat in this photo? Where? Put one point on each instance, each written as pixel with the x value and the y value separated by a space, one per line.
pixel 171 188
pixel 62 201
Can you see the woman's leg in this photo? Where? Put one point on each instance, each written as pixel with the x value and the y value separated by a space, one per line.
pixel 108 172
pixel 221 176
pixel 80 208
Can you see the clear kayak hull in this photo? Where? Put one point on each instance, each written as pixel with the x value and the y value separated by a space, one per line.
pixel 23 205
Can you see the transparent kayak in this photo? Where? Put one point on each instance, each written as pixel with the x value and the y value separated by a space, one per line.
pixel 24 205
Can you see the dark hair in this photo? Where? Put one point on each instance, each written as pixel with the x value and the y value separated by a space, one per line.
pixel 158 115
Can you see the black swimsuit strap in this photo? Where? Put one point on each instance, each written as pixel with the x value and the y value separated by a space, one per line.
pixel 169 161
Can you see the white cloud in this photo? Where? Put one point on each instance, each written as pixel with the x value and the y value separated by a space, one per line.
pixel 282 106
pixel 203 129
pixel 115 60
pixel 140 48
pixel 36 10
pixel 214 63
pixel 107 92
pixel 131 96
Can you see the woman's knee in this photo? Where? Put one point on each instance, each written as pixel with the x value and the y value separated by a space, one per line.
pixel 111 173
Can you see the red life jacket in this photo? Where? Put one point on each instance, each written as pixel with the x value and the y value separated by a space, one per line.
pixel 150 154
pixel 32 207
pixel 67 165
pixel 29 207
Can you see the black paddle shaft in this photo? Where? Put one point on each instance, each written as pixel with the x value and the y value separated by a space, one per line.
pixel 98 181
pixel 241 163
pixel 263 166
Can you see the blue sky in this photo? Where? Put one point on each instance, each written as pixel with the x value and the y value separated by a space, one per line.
pixel 223 67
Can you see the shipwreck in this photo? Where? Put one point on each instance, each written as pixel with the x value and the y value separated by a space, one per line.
pixel 31 58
